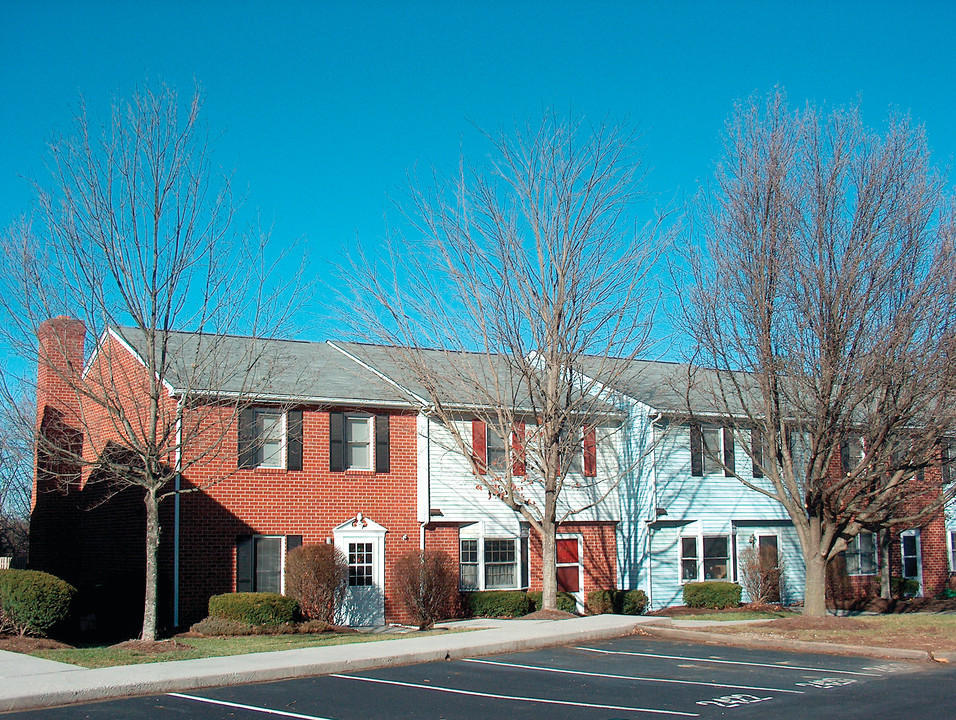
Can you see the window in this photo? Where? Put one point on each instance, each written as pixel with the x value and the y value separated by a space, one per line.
pixel 270 438
pixel 910 553
pixel 947 459
pixel 496 454
pixel 359 441
pixel 860 555
pixel 711 450
pixel 688 559
pixel 469 565
pixel 260 561
pixel 491 452
pixel 716 557
pixel 852 453
pixel 951 536
pixel 500 564
pixel 360 564
pixel 492 563
pixel 568 552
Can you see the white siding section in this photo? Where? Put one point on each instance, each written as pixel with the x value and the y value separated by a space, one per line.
pixel 459 495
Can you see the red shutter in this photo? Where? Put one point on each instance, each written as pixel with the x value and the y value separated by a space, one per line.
pixel 590 453
pixel 566 550
pixel 478 445
pixel 517 450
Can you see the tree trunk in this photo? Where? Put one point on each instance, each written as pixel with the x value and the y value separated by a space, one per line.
pixel 815 587
pixel 884 555
pixel 549 570
pixel 152 573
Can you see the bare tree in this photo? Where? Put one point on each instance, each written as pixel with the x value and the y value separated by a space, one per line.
pixel 823 288
pixel 524 272
pixel 16 463
pixel 135 228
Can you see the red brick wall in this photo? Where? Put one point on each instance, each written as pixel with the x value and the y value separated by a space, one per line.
pixel 599 559
pixel 309 503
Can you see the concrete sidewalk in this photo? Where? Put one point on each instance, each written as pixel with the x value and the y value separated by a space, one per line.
pixel 27 682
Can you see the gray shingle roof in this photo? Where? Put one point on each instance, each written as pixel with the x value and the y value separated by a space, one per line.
pixel 280 369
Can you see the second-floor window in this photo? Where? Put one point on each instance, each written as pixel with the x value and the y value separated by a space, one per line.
pixel 359 441
pixel 270 437
pixel 711 450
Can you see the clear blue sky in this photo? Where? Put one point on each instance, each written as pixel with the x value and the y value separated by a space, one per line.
pixel 325 106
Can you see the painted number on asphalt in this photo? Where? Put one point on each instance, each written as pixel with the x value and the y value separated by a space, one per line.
pixel 885 668
pixel 825 683
pixel 732 701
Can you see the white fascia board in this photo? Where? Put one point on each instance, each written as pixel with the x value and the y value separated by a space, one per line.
pixel 129 348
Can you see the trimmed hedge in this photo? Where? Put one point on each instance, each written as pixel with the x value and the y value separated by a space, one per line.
pixel 566 601
pixel 497 603
pixel 619 602
pixel 269 609
pixel 904 587
pixel 635 602
pixel 32 602
pixel 717 594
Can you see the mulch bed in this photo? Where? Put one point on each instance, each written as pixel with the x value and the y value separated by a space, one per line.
pixel 924 605
pixel 684 611
pixel 29 644
pixel 153 647
pixel 548 615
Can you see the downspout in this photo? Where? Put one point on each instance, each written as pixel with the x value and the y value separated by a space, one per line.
pixel 425 517
pixel 176 497
pixel 650 530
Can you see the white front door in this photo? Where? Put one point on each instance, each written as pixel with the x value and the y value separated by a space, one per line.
pixel 363 544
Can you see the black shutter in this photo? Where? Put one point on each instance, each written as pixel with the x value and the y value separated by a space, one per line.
pixel 696 451
pixel 756 451
pixel 292 542
pixel 729 466
pixel 293 443
pixel 247 438
pixel 381 443
pixel 336 442
pixel 845 456
pixel 245 563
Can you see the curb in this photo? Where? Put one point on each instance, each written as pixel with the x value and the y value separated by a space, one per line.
pixel 714 638
pixel 88 685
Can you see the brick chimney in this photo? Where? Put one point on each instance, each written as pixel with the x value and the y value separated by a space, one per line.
pixel 59 364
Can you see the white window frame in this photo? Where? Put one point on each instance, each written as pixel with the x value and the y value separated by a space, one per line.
pixel 951 549
pixel 347 442
pixel 482 566
pixel 915 533
pixel 854 549
pixel 277 461
pixel 699 539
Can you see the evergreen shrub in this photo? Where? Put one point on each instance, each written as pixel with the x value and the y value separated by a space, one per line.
pixel 716 594
pixel 269 609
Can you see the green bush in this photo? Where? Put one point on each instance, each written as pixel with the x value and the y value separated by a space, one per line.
pixel 635 602
pixel 497 603
pixel 904 587
pixel 619 602
pixel 604 602
pixel 217 626
pixel 32 602
pixel 566 601
pixel 715 594
pixel 269 609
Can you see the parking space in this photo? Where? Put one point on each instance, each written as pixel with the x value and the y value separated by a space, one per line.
pixel 626 678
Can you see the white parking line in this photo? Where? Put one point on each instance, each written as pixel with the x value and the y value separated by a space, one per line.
pixel 633 677
pixel 517 698
pixel 728 662
pixel 240 706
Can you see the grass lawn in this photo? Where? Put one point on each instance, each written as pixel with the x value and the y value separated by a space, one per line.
pixel 203 647
pixel 917 631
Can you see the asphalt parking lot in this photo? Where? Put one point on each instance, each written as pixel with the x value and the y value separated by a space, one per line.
pixel 627 678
